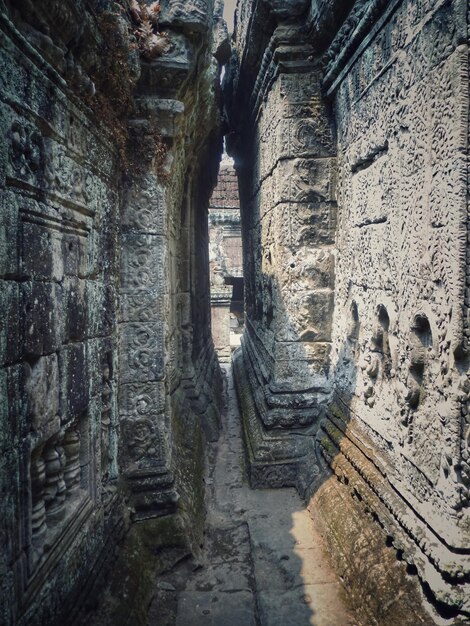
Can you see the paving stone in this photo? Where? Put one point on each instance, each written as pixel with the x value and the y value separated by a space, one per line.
pixel 316 605
pixel 261 548
pixel 290 568
pixel 216 609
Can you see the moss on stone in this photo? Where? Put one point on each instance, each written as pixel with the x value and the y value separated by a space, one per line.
pixel 150 548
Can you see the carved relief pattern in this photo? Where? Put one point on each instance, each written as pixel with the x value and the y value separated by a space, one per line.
pixel 69 217
pixel 291 276
pixel 402 238
pixel 55 476
pixel 144 313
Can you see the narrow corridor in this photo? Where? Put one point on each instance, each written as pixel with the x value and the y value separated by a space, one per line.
pixel 263 561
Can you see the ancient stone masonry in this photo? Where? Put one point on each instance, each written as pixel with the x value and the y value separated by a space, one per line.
pixel 285 153
pixel 225 258
pixel 350 126
pixel 108 381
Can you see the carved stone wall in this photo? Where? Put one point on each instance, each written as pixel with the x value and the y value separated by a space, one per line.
pixel 284 151
pixel 401 364
pixel 108 377
pixel 352 154
pixel 166 346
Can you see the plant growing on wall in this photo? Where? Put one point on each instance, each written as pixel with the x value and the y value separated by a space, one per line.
pixel 151 42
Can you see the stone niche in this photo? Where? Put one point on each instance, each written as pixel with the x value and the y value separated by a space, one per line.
pixel 109 383
pixel 350 137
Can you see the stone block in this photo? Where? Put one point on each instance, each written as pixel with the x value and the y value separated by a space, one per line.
pixel 9 265
pixel 306 315
pixel 143 261
pixel 144 208
pixel 231 609
pixel 12 406
pixel 142 398
pixel 76 307
pixel 166 114
pixel 74 252
pixel 142 352
pixel 5 436
pixel 309 138
pixel 317 604
pixel 41 252
pixel 313 224
pixel 144 305
pixel 141 444
pixel 10 322
pixel 314 351
pixel 101 300
pixel 41 387
pixel 306 269
pixel 74 381
pixel 95 309
pixel 293 376
pixel 44 317
pixel 304 180
pixel 191 17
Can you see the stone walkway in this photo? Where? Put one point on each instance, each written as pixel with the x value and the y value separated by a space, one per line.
pixel 264 562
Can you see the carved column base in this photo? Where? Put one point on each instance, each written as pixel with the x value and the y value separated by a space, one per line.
pixel 276 458
pixel 153 493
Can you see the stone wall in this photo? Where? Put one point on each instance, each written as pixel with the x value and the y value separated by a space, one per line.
pixel 108 381
pixel 357 297
pixel 284 149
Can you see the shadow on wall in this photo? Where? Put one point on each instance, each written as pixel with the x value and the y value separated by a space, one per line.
pixel 374 566
pixel 295 580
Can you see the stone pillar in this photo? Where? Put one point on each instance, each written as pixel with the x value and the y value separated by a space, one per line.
pixel 169 377
pixel 145 446
pixel 284 156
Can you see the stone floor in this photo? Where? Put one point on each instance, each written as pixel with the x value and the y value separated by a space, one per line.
pixel 264 562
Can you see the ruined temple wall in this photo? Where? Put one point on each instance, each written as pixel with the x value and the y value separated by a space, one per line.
pixel 170 356
pixel 59 208
pixel 400 362
pixel 284 148
pixel 226 262
pixel 105 315
pixel 379 214
pixel 288 302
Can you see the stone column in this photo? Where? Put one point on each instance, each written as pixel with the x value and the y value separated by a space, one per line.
pixel 145 446
pixel 286 166
pixel 167 362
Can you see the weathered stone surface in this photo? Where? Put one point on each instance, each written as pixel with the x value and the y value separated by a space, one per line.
pixel 348 121
pixel 349 129
pixel 103 236
pixel 263 560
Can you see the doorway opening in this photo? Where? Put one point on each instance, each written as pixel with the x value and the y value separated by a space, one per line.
pixel 226 263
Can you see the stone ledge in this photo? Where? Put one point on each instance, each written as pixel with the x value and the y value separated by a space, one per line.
pixel 379 586
pixel 439 568
pixel 275 458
